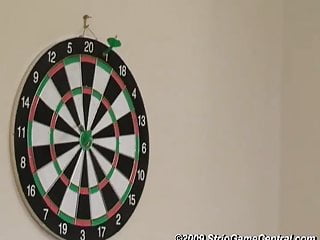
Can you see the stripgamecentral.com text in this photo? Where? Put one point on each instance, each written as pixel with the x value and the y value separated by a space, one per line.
pixel 243 237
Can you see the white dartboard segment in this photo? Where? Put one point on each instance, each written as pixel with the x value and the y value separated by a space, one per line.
pixel 103 123
pixel 51 97
pixel 97 206
pixel 120 106
pixel 40 134
pixel 91 172
pixel 104 164
pixel 101 79
pixel 119 183
pixel 47 176
pixel 109 143
pixel 127 145
pixel 78 101
pixel 94 105
pixel 69 203
pixel 73 72
pixel 100 82
pixel 67 157
pixel 77 173
pixel 62 137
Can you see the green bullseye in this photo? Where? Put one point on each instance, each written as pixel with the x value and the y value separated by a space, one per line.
pixel 86 140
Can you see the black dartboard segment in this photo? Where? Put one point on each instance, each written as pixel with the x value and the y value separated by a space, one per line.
pixel 80 141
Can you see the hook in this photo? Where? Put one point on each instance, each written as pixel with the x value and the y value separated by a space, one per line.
pixel 86 26
pixel 85 19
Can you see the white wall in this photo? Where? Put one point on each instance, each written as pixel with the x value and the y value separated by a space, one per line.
pixel 210 72
pixel 300 205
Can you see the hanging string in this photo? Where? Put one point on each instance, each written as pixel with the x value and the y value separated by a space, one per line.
pixel 86 27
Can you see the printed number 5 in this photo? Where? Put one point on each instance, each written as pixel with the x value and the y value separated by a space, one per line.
pixel 69 47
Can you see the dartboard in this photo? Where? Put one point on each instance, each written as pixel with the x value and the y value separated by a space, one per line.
pixel 80 140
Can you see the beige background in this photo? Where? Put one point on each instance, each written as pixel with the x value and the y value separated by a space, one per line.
pixel 231 91
pixel 300 197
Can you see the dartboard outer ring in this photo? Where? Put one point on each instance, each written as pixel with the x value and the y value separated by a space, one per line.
pixel 53 222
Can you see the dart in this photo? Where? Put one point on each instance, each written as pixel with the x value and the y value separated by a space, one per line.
pixel 81 128
pixel 113 42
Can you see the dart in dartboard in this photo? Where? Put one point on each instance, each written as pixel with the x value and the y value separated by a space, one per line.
pixel 113 42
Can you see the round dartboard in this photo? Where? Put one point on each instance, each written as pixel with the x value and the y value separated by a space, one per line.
pixel 80 140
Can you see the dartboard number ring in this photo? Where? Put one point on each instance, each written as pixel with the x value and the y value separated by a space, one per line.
pixel 80 141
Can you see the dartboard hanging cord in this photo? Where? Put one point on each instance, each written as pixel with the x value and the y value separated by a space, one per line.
pixel 113 42
pixel 86 26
